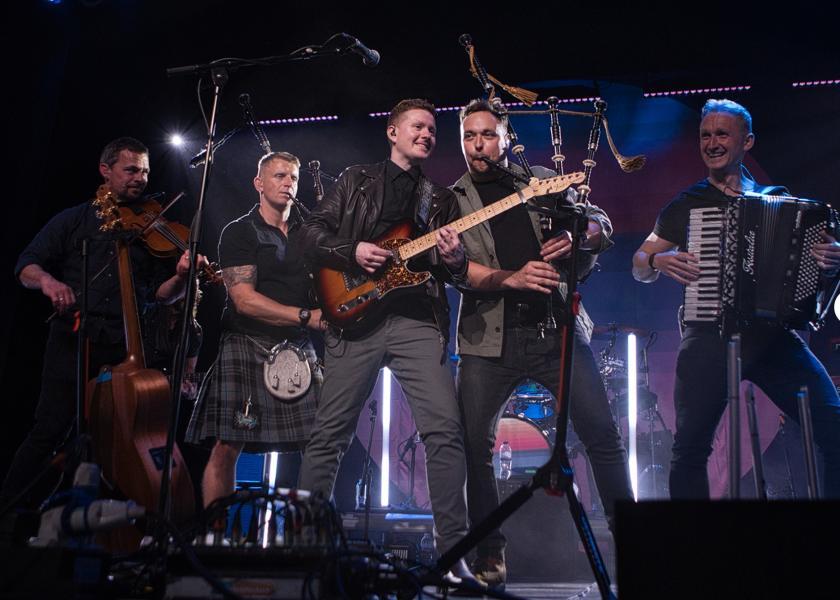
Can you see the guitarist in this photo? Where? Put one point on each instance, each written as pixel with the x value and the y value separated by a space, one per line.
pixel 52 263
pixel 409 337
pixel 502 338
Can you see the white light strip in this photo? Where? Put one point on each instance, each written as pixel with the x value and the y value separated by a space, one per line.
pixel 295 120
pixel 632 405
pixel 441 109
pixel 815 83
pixel 269 509
pixel 385 464
pixel 707 90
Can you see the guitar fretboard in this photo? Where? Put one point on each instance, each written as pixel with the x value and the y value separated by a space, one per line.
pixel 424 242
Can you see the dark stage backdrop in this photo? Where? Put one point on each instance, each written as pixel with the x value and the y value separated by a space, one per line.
pixel 84 85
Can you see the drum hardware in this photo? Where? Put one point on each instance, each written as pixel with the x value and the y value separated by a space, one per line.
pixel 610 332
pixel 653 478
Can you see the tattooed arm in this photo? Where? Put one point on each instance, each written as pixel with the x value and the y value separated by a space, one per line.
pixel 240 283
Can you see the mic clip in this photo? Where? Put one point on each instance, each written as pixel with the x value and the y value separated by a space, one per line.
pixel 500 167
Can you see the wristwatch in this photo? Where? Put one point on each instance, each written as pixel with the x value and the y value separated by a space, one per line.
pixel 303 316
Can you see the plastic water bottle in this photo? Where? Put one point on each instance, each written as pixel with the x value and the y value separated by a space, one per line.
pixel 361 494
pixel 505 460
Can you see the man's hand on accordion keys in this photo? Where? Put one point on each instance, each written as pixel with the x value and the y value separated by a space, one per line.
pixel 827 254
pixel 681 266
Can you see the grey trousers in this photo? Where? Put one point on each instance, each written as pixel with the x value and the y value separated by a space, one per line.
pixel 416 353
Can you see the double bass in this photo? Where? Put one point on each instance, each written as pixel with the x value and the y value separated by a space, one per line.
pixel 128 406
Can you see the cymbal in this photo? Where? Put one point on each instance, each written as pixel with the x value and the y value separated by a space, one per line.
pixel 608 332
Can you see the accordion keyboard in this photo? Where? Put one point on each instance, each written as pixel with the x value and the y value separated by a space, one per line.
pixel 702 302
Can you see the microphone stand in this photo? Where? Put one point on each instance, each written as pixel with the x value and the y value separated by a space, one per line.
pixel 363 485
pixel 219 76
pixel 82 357
pixel 556 476
pixel 410 446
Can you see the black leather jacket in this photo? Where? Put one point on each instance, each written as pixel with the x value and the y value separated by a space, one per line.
pixel 349 213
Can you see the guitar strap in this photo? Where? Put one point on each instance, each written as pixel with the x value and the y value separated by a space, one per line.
pixel 425 191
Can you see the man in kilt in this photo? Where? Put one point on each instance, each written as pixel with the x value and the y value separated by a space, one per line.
pixel 268 301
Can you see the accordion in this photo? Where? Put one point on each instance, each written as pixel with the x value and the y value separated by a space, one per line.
pixel 756 264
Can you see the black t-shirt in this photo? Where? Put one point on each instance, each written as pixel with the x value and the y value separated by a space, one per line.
pixel 57 249
pixel 515 245
pixel 281 273
pixel 672 224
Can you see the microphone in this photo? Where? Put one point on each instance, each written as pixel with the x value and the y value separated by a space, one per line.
pixel 500 167
pixel 465 39
pixel 245 103
pixel 370 58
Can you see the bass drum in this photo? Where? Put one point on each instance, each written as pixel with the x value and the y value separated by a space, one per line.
pixel 531 446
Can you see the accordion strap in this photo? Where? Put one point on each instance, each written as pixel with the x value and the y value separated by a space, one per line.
pixel 771 190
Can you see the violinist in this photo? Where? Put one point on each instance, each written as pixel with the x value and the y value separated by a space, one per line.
pixel 269 303
pixel 52 263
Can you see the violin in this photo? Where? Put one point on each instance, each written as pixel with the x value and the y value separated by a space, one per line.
pixel 162 238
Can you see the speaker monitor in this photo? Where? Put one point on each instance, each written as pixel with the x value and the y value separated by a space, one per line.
pixel 722 549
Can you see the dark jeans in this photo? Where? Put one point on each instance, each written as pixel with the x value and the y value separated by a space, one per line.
pixel 56 410
pixel 778 362
pixel 484 386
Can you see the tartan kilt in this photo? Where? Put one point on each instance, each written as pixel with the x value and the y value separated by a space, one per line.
pixel 236 376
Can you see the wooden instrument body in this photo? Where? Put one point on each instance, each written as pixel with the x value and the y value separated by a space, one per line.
pixel 127 420
pixel 128 408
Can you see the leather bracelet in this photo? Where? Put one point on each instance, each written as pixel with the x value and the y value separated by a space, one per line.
pixel 650 261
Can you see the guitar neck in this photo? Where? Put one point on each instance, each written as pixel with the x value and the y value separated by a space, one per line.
pixel 424 242
pixel 131 320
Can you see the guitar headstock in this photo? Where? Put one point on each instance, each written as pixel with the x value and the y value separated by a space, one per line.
pixel 555 185
pixel 107 209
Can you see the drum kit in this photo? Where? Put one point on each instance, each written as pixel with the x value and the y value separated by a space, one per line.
pixel 527 431
pixel 528 423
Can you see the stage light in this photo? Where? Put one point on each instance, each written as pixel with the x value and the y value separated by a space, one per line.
pixel 632 414
pixel 385 464
pixel 176 139
pixel 693 91
pixel 296 120
pixel 441 109
pixel 819 82
pixel 269 506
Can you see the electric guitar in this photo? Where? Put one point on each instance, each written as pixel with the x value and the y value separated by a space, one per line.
pixel 347 298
